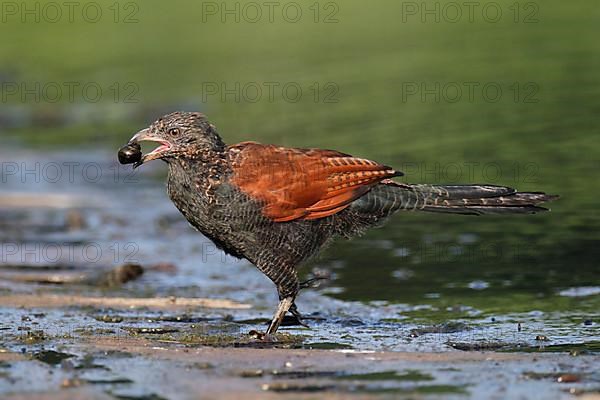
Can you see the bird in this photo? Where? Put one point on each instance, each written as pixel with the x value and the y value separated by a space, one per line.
pixel 278 206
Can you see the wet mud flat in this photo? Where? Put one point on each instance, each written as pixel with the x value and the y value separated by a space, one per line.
pixel 147 364
pixel 62 346
pixel 106 292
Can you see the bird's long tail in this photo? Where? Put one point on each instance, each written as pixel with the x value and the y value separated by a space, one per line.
pixel 470 199
pixel 390 196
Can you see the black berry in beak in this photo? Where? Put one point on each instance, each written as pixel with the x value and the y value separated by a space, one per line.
pixel 130 153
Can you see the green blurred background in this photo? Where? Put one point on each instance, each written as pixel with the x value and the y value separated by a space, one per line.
pixel 362 68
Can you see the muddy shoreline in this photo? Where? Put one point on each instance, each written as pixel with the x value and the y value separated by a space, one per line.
pixel 131 350
pixel 144 369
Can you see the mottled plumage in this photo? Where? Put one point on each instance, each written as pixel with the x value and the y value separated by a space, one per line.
pixel 277 206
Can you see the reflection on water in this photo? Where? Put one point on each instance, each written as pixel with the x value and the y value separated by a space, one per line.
pixel 507 270
pixel 500 263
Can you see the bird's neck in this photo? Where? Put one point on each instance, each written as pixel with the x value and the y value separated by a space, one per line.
pixel 199 161
pixel 198 171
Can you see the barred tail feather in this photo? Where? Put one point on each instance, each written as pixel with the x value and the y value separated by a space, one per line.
pixel 470 199
pixel 388 197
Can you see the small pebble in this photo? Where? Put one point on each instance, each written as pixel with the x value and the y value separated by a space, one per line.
pixel 75 220
pixel 568 378
pixel 254 334
pixel 71 382
pixel 109 319
pixel 257 373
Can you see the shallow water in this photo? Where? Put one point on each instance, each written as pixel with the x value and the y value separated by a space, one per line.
pixel 421 283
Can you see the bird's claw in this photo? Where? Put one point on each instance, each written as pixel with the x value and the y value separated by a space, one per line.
pixel 309 283
pixel 294 311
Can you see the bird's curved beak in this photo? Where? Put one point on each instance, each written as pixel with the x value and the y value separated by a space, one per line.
pixel 145 136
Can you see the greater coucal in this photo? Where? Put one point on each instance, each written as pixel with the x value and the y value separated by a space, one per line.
pixel 277 206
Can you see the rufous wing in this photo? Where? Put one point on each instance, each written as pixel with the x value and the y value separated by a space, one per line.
pixel 294 183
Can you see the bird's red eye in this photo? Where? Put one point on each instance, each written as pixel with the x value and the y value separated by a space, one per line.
pixel 174 132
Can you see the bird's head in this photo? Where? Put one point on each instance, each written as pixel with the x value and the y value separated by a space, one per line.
pixel 180 135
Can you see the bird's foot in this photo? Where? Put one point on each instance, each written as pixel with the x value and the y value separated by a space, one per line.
pixel 299 318
pixel 311 282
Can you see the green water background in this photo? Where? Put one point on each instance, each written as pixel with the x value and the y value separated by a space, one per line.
pixel 356 63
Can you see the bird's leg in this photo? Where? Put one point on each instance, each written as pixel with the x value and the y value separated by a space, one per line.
pixel 285 278
pixel 284 306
